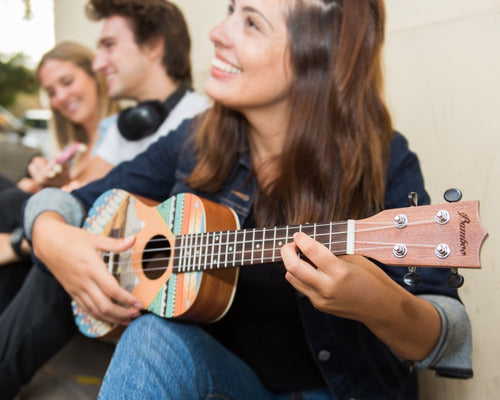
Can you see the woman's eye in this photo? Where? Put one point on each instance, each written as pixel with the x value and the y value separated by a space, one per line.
pixel 230 9
pixel 252 24
pixel 67 82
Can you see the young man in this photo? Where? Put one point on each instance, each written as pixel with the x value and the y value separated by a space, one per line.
pixel 147 60
pixel 143 51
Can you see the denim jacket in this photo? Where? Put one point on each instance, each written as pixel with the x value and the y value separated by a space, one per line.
pixel 354 363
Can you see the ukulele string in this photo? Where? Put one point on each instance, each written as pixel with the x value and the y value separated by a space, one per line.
pixel 227 234
pixel 238 256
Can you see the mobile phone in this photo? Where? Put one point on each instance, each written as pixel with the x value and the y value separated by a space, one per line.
pixel 70 151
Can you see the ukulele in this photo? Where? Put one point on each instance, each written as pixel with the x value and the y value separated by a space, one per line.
pixel 184 263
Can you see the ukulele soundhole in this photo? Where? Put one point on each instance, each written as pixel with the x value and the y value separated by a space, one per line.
pixel 156 257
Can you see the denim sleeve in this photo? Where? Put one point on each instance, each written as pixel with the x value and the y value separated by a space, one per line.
pixel 51 199
pixel 452 355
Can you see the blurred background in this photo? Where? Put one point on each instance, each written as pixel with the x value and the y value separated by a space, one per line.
pixel 442 63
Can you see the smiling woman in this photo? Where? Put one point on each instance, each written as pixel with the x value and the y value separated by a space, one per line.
pixel 78 100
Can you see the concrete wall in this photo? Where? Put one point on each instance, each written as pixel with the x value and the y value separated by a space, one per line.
pixel 443 85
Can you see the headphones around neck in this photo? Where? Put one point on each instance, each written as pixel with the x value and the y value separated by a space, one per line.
pixel 136 123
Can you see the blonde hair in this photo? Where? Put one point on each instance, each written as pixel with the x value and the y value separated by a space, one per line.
pixel 66 131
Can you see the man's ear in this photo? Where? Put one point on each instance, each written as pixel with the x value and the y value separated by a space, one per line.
pixel 155 48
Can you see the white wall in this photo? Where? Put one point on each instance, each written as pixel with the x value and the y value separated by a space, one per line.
pixel 443 85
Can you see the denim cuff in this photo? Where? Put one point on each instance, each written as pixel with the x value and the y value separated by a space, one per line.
pixel 51 199
pixel 452 355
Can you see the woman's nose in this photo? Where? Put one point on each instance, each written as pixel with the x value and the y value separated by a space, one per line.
pixel 58 98
pixel 220 35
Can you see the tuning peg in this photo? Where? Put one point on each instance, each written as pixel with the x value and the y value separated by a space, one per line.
pixel 412 199
pixel 455 280
pixel 412 278
pixel 453 195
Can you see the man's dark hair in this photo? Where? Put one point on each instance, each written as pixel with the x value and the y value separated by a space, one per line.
pixel 149 20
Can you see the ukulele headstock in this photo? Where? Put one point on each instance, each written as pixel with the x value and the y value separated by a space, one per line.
pixel 448 235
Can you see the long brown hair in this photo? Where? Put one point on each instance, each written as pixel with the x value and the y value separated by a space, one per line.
pixel 66 131
pixel 334 160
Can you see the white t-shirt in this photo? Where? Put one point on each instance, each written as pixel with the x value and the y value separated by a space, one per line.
pixel 114 148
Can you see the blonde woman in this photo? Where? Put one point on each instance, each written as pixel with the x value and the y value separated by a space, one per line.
pixel 80 104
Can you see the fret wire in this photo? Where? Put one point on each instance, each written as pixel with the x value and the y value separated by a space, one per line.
pixel 186 254
pixel 182 251
pixel 253 247
pixel 207 250
pixel 201 251
pixel 210 245
pixel 210 242
pixel 243 246
pixel 330 242
pixel 190 252
pixel 234 247
pixel 193 252
pixel 213 255
pixel 184 245
pixel 197 243
pixel 263 243
pixel 224 247
pixel 227 248
pixel 219 240
pixel 198 251
pixel 208 254
pixel 274 243
pixel 204 249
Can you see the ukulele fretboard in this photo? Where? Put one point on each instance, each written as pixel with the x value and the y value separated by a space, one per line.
pixel 212 250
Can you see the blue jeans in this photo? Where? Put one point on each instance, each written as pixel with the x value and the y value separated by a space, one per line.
pixel 165 359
